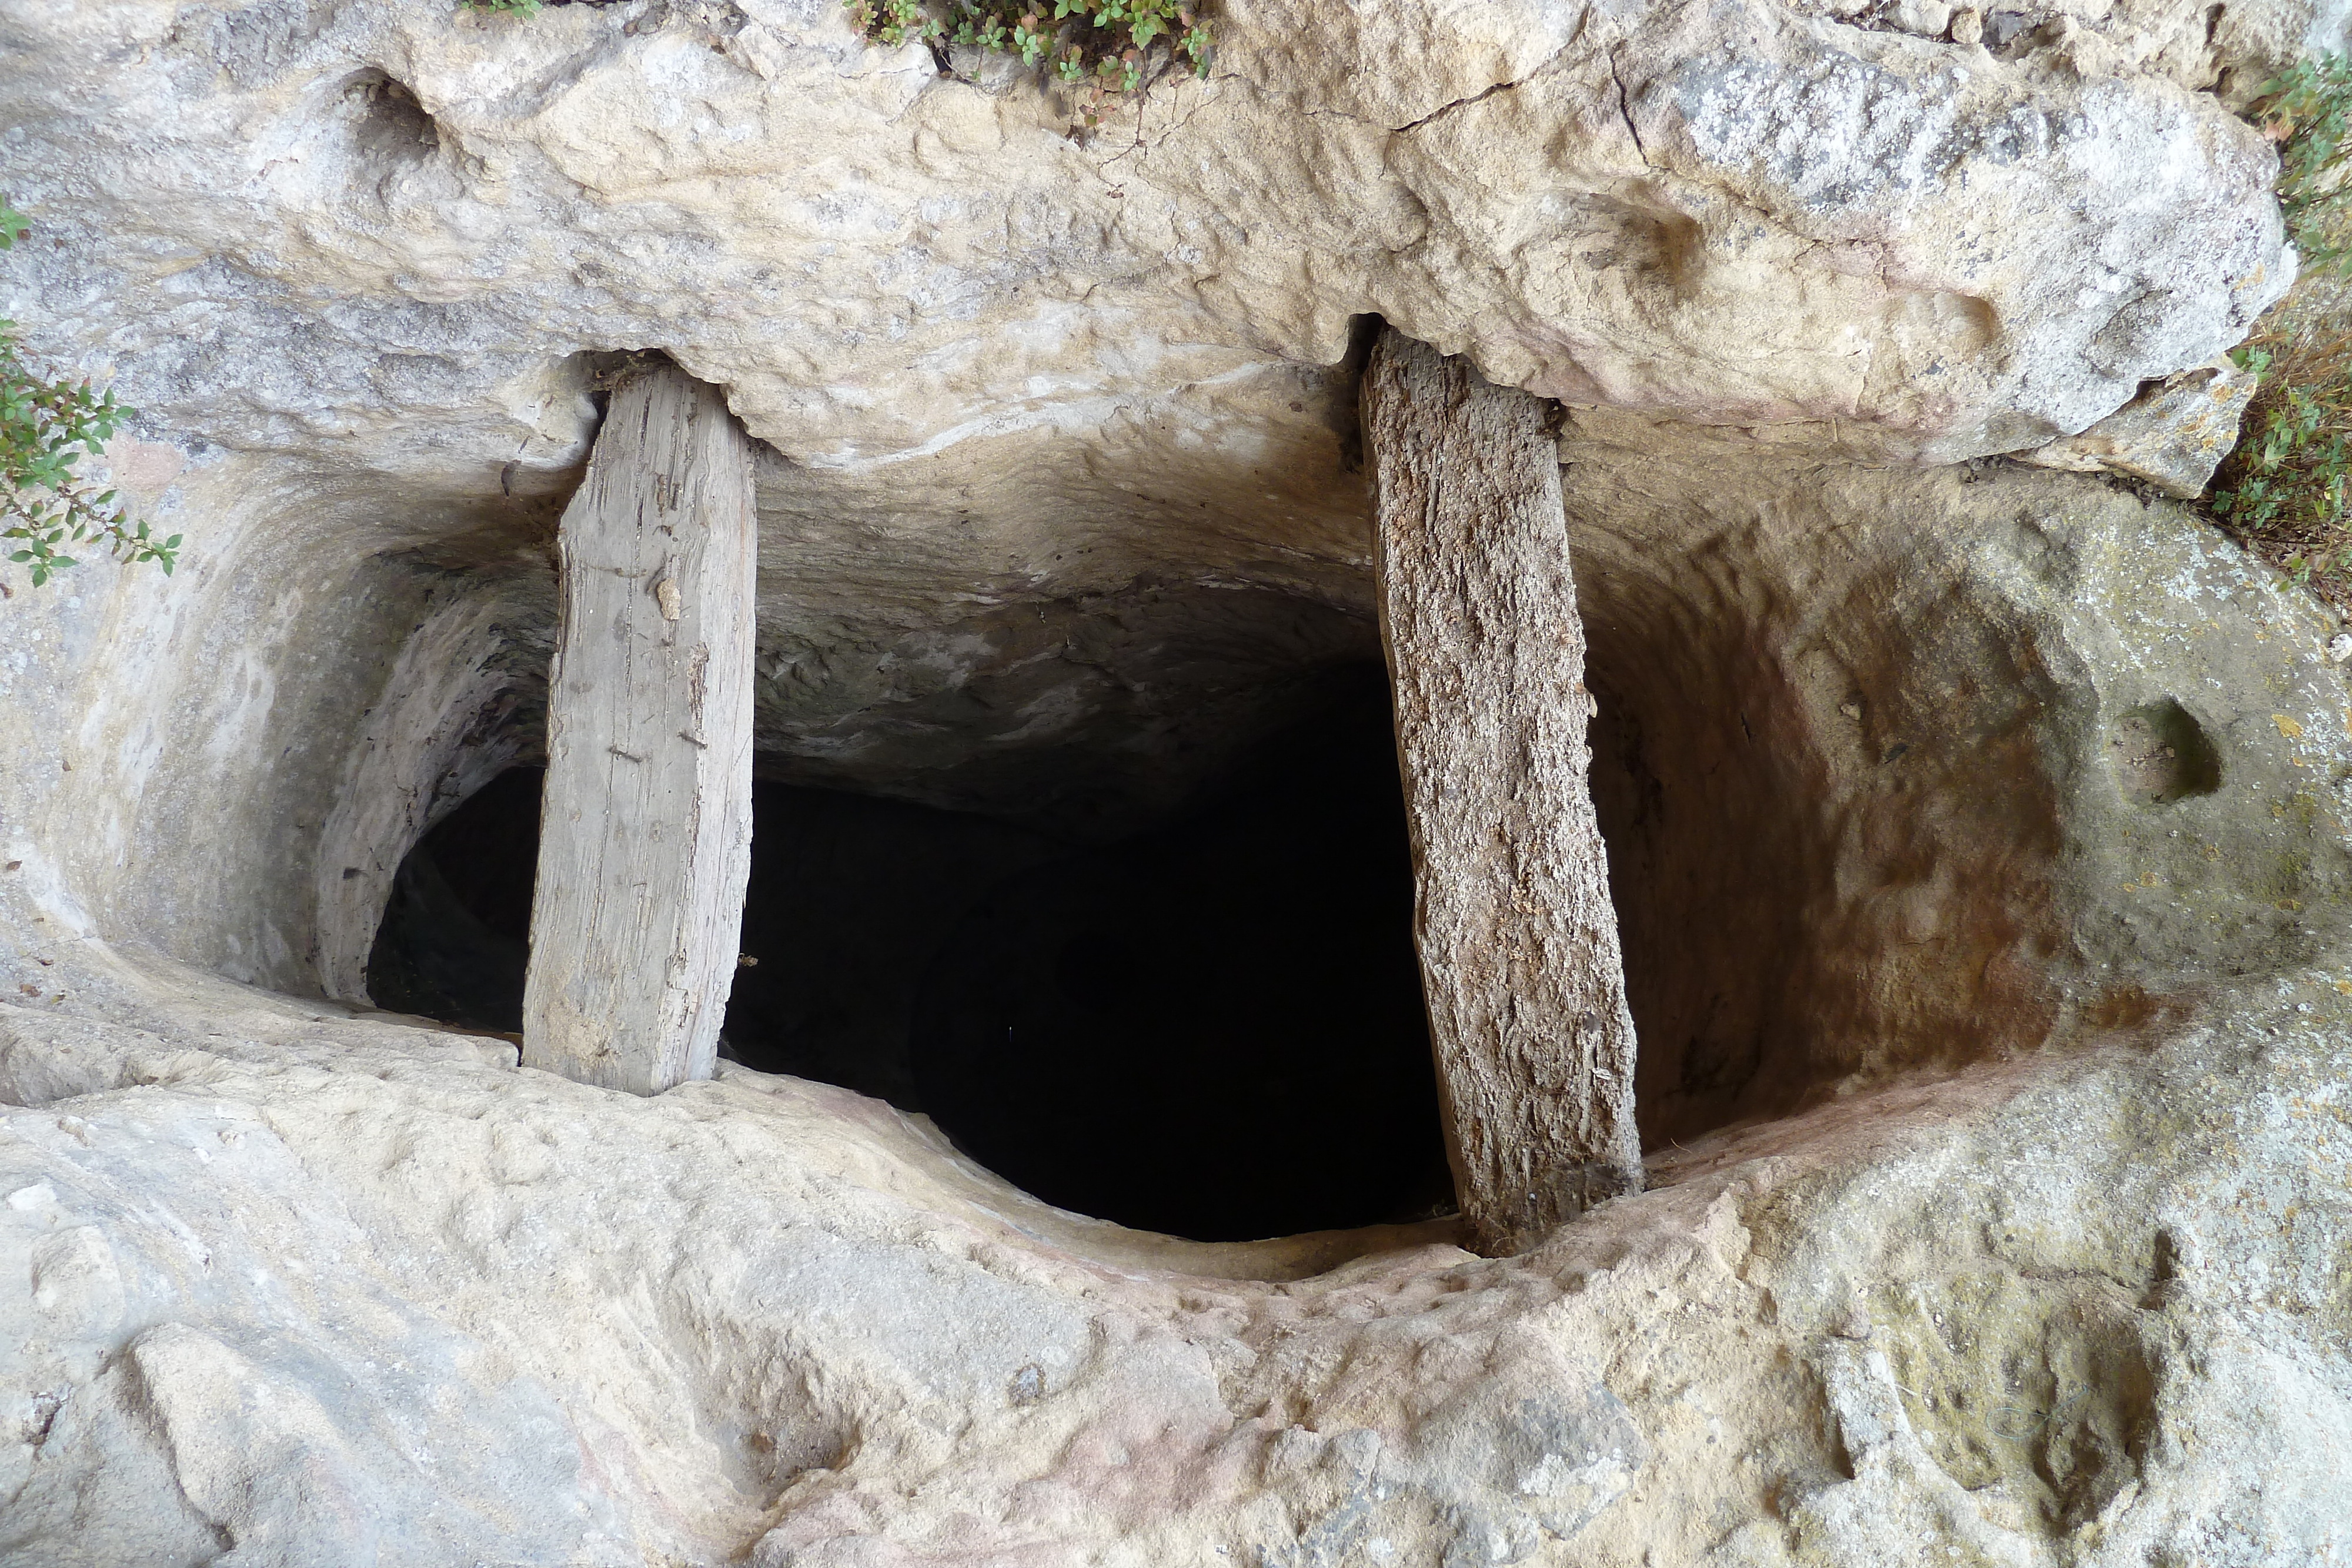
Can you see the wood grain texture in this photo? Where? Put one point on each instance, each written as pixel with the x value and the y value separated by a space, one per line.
pixel 645 834
pixel 1519 941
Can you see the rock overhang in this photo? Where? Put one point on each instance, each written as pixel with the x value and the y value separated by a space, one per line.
pixel 383 247
pixel 393 211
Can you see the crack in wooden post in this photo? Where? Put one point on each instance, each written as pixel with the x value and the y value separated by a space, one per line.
pixel 637 911
pixel 1519 955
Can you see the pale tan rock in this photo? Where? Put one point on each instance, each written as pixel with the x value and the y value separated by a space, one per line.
pixel 1923 19
pixel 1997 1206
pixel 1592 205
pixel 2173 435
pixel 1518 941
pixel 918 288
pixel 2031 1113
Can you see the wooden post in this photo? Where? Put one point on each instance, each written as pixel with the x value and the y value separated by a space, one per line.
pixel 645 834
pixel 1485 651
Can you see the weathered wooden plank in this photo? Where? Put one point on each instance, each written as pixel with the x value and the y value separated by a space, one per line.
pixel 646 833
pixel 1519 941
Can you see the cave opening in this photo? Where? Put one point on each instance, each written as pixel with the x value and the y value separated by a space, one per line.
pixel 1212 1028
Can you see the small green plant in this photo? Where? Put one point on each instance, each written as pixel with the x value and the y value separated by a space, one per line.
pixel 47 427
pixel 2307 110
pixel 2288 477
pixel 1101 44
pixel 504 7
pixel 2285 492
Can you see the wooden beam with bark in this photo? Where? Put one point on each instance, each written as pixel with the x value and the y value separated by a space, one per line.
pixel 646 828
pixel 1518 944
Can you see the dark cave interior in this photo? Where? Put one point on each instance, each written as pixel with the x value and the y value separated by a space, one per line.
pixel 1212 1028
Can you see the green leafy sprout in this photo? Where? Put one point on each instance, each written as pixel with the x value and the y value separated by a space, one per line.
pixel 504 7
pixel 1101 44
pixel 47 427
pixel 2286 490
pixel 2307 110
pixel 2286 481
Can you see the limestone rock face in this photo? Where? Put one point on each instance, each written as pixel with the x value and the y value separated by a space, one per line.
pixel 1744 216
pixel 2021 1241
pixel 2173 435
pixel 1064 502
pixel 389 226
pixel 1977 832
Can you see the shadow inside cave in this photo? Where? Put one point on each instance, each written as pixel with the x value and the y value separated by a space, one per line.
pixel 1212 1028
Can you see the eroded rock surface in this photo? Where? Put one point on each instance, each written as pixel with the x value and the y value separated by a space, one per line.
pixel 333 1293
pixel 2039 1262
pixel 1978 832
pixel 1067 495
pixel 1753 215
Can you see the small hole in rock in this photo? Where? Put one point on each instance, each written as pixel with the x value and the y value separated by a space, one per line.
pixel 2162 754
pixel 389 125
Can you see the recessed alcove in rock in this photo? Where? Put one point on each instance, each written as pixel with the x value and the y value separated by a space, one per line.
pixel 1828 766
pixel 1839 765
pixel 1828 797
pixel 1212 1028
